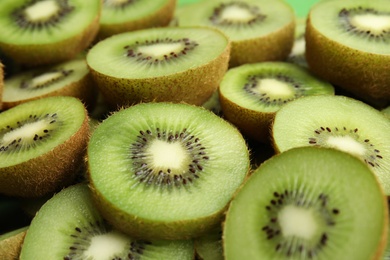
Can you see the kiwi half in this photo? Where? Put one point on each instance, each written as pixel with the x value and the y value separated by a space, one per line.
pixel 38 32
pixel 164 170
pixel 42 143
pixel 260 30
pixel 161 64
pixel 11 243
pixel 338 122
pixel 308 203
pixel 251 94
pixel 74 229
pixel 347 44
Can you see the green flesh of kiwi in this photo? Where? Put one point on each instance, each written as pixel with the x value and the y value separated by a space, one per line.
pixel 209 246
pixel 307 203
pixel 338 122
pixel 74 229
pixel 182 161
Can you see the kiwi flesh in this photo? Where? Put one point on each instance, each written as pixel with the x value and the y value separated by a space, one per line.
pixel 70 223
pixel 260 30
pixel 250 94
pixel 209 246
pixel 38 32
pixel 160 64
pixel 339 122
pixel 11 243
pixel 347 44
pixel 308 203
pixel 297 54
pixel 42 144
pixel 165 170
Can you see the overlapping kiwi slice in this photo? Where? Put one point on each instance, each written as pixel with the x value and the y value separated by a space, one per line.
pixel 209 246
pixel 42 143
pixel 167 171
pixel 347 44
pixel 251 94
pixel 308 203
pixel 129 15
pixel 11 243
pixel 47 31
pixel 260 30
pixel 74 229
pixel 71 78
pixel 338 122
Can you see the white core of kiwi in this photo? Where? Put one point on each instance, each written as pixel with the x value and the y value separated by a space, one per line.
pixel 372 22
pixel 168 155
pixel 236 14
pixel 45 77
pixel 298 222
pixel 42 10
pixel 106 246
pixel 346 144
pixel 26 131
pixel 160 49
pixel 274 88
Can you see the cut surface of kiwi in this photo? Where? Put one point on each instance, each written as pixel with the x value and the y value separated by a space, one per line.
pixel 308 203
pixel 164 170
pixel 74 229
pixel 209 246
pixel 42 143
pixel 338 122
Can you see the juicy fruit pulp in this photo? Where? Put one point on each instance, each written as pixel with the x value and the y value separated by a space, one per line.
pixel 182 161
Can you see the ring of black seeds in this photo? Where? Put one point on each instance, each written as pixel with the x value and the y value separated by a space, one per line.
pixel 118 4
pixel 297 246
pixel 373 156
pixel 22 20
pixel 167 177
pixel 27 84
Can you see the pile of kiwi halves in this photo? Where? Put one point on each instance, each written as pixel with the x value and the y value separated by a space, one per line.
pixel 224 129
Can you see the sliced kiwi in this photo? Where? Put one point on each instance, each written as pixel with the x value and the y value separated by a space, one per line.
pixel 386 255
pixel 297 54
pixel 42 143
pixel 11 243
pixel 47 31
pixel 129 15
pixel 1 84
pixel 209 246
pixel 260 30
pixel 73 229
pixel 347 44
pixel 386 111
pixel 160 64
pixel 338 122
pixel 251 94
pixel 213 104
pixel 164 170
pixel 308 203
pixel 71 78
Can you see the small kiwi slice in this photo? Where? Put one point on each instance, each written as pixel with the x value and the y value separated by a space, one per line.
pixel 339 122
pixel 308 203
pixel 165 170
pixel 11 243
pixel 129 15
pixel 347 44
pixel 35 32
pixel 42 143
pixel 160 64
pixel 251 94
pixel 209 246
pixel 70 78
pixel 73 228
pixel 260 30
pixel 297 54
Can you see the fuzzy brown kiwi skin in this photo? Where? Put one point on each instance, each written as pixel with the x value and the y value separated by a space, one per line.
pixel 365 75
pixel 10 248
pixel 49 172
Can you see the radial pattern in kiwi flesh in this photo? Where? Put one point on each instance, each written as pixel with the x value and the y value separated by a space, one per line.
pixel 162 170
pixel 308 203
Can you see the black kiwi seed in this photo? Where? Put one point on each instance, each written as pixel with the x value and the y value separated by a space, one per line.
pixel 216 19
pixel 28 84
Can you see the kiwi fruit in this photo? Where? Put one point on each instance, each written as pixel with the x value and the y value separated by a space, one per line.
pixel 209 246
pixel 251 94
pixel 42 144
pixel 169 64
pixel 70 223
pixel 297 54
pixel 213 104
pixel 37 32
pixel 308 203
pixel 70 78
pixel 11 243
pixel 120 16
pixel 339 122
pixel 260 30
pixel 386 255
pixel 347 44
pixel 386 111
pixel 165 170
pixel 1 84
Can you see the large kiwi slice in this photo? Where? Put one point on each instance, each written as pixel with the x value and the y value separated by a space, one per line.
pixel 42 143
pixel 163 170
pixel 308 203
pixel 260 30
pixel 71 78
pixel 129 15
pixel 161 64
pixel 339 122
pixel 11 243
pixel 69 227
pixel 47 31
pixel 251 94
pixel 347 44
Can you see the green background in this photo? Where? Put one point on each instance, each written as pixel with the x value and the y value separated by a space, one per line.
pixel 301 7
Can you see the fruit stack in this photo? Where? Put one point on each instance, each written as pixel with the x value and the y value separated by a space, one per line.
pixel 224 129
